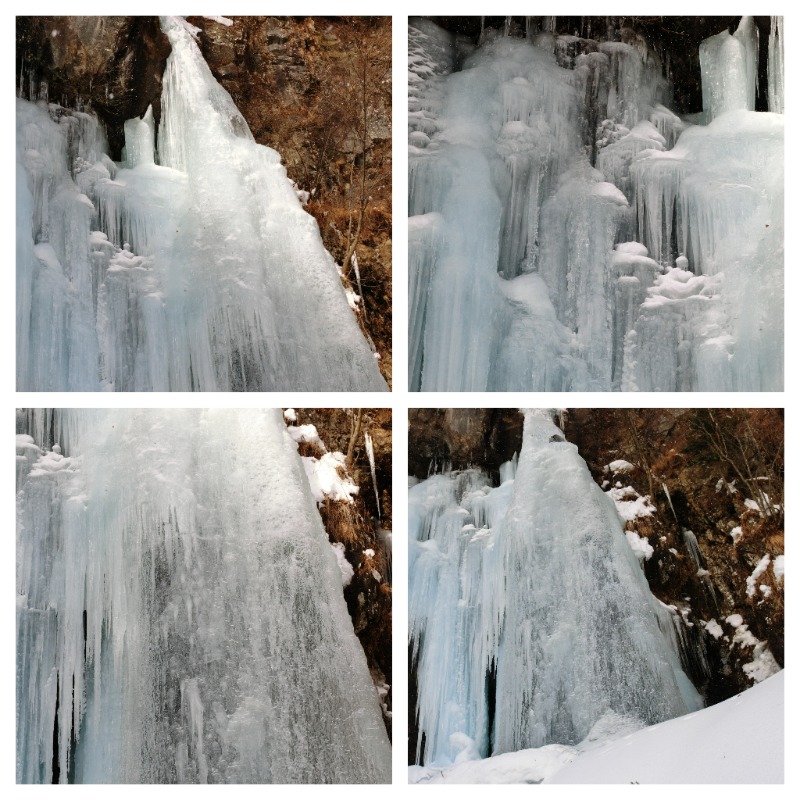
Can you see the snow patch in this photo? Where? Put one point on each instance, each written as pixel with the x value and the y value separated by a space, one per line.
pixel 345 567
pixel 640 546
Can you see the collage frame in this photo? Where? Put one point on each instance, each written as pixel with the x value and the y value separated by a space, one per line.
pixel 400 400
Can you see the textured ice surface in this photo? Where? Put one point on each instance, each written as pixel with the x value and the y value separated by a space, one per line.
pixel 190 268
pixel 178 600
pixel 528 612
pixel 532 161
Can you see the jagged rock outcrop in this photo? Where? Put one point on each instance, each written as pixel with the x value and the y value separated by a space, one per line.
pixel 462 437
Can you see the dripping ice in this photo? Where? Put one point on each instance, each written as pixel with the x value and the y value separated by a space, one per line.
pixel 530 618
pixel 178 600
pixel 569 232
pixel 190 266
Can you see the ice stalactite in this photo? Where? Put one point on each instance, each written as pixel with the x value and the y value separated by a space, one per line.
pixel 192 267
pixel 775 71
pixel 540 168
pixel 530 618
pixel 371 456
pixel 179 608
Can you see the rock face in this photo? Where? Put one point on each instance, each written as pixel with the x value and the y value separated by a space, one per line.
pixel 317 90
pixel 714 477
pixel 361 529
pixel 462 437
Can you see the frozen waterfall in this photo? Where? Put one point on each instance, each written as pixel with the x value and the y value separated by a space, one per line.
pixel 569 232
pixel 530 619
pixel 192 267
pixel 180 615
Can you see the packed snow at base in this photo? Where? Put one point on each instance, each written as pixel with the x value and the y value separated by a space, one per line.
pixel 187 267
pixel 180 615
pixel 738 741
pixel 569 232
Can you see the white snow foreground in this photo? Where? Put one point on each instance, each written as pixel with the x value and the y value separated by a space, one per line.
pixel 528 612
pixel 740 740
pixel 737 741
pixel 192 267
pixel 659 268
pixel 179 603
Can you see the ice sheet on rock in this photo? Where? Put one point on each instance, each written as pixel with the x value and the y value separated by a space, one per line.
pixel 231 288
pixel 179 602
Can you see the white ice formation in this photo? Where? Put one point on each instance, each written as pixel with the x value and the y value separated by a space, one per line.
pixel 180 615
pixel 190 267
pixel 530 618
pixel 569 232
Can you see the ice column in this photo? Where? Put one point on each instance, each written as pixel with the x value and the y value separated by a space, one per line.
pixel 729 66
pixel 776 65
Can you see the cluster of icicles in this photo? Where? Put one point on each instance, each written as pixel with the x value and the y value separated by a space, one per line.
pixel 569 232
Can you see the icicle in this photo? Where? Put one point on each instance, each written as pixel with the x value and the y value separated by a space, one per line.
pixel 669 500
pixel 354 262
pixel 371 457
pixel 775 65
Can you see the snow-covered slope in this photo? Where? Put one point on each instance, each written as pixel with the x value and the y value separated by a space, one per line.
pixel 739 741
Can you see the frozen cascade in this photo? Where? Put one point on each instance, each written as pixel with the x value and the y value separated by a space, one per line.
pixel 193 267
pixel 569 232
pixel 529 615
pixel 179 609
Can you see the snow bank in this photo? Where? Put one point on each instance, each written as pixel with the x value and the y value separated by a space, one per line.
pixel 738 741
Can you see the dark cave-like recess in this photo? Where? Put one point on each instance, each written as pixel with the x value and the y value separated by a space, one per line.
pixel 678 36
